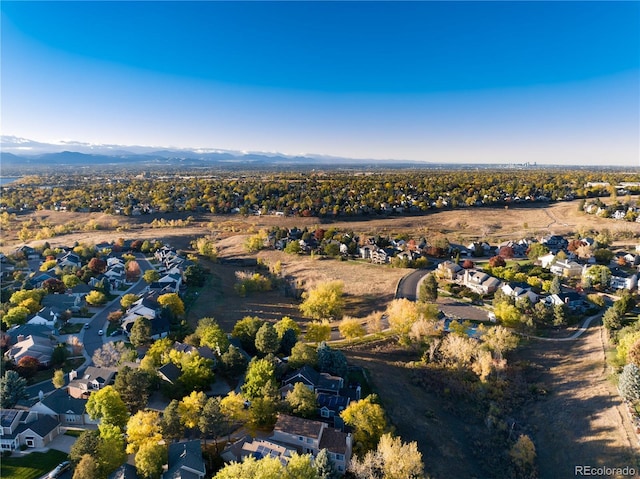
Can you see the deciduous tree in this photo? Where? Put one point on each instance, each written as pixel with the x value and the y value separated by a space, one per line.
pixel 107 406
pixel 302 401
pixel 368 419
pixel 325 301
pixel 150 459
pixel 143 427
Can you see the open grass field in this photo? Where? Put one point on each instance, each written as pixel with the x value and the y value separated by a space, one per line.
pixel 30 466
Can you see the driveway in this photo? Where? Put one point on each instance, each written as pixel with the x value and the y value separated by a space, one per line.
pixel 62 443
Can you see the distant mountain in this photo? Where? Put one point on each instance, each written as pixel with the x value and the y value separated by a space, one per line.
pixel 20 154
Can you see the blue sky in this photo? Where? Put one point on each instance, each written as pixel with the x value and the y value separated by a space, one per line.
pixel 490 82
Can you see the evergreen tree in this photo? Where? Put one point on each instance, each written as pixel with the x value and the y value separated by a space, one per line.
pixel 629 382
pixel 13 388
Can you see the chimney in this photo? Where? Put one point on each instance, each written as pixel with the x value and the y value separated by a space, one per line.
pixel 20 337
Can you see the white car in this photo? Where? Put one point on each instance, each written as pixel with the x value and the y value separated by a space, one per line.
pixel 100 332
pixel 60 468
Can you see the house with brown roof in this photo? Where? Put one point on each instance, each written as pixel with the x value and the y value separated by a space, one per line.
pixel 310 437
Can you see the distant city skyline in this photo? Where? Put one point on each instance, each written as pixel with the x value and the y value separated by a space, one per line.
pixel 459 82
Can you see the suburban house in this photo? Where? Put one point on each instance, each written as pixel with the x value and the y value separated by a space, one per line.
pixel 519 291
pixel 35 346
pixel 125 471
pixel 68 410
pixel 310 437
pixel 567 269
pixel 64 302
pixel 258 448
pixel 69 259
pixel 555 243
pixel 169 372
pixel 26 428
pixel 312 379
pixel 185 461
pixel 147 307
pixel 46 316
pixel 448 270
pixel 571 299
pixel 380 256
pixel 620 279
pixel 330 405
pixel 93 379
pixel 365 251
pixel 479 281
pixel 547 260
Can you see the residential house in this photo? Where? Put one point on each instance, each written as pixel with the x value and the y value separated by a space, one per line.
pixel 365 251
pixel 147 307
pixel 38 278
pixel 93 379
pixel 381 256
pixel 258 448
pixel 169 372
pixel 26 428
pixel 18 333
pixel 312 379
pixel 330 405
pixel 68 410
pixel 519 291
pixel 567 269
pixel 310 437
pixel 185 461
pixel 69 259
pixel 46 316
pixel 547 260
pixel 571 299
pixel 480 282
pixel 555 243
pixel 620 279
pixel 448 270
pixel 125 471
pixel 34 346
pixel 64 302
pixel 27 252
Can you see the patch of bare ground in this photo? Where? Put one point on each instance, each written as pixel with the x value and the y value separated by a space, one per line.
pixel 443 436
pixel 582 420
pixel 367 287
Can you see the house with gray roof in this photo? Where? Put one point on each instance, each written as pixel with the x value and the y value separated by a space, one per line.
pixel 185 461
pixel 26 428
pixel 68 410
pixel 34 346
pixel 92 379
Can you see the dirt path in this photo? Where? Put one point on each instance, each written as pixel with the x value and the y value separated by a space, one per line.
pixel 582 421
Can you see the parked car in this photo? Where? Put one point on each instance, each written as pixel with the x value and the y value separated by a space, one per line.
pixel 60 468
pixel 86 326
pixel 100 332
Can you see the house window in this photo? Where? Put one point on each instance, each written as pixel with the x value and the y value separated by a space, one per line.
pixel 309 440
pixel 30 441
pixel 339 457
pixel 300 438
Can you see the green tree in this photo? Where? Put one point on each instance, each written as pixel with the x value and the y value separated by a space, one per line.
pixel 629 383
pixel 331 360
pixel 13 388
pixel 95 298
pixel 172 427
pixel 302 354
pixel 325 467
pixel 190 407
pixel 157 354
pixel 151 276
pixel 267 340
pixel 233 362
pixel 134 387
pixel 233 407
pixel 245 330
pixel 523 455
pixel 212 422
pixel 260 373
pixel 318 331
pixel 555 285
pixel 15 316
pixel 140 332
pixel 143 427
pixel 351 328
pixel 150 459
pixel 428 289
pixel 325 301
pixel 368 419
pixel 197 372
pixel 87 468
pixel 128 299
pixel 111 449
pixel 612 319
pixel 263 410
pixel 302 401
pixel 86 443
pixel 285 324
pixel 107 406
pixel 58 379
pixel 212 335
pixel 293 247
pixel 173 303
pixel 536 250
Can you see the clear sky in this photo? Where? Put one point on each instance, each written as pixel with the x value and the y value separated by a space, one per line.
pixel 497 82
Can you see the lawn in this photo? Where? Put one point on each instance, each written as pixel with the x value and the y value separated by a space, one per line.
pixel 31 466
pixel 46 374
pixel 71 328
